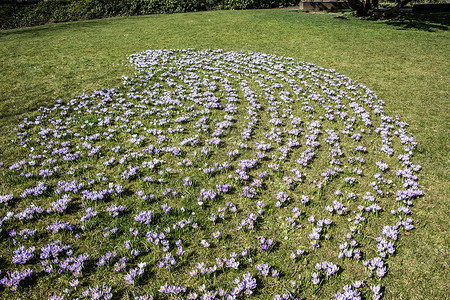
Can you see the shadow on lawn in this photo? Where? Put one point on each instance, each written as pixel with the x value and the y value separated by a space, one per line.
pixel 33 30
pixel 404 20
pixel 431 22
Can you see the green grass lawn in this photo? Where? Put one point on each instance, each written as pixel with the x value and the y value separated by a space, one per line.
pixel 406 67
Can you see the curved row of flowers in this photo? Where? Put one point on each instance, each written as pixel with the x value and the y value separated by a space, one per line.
pixel 209 175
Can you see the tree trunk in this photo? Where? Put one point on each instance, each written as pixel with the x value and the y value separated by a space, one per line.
pixel 361 7
pixel 393 10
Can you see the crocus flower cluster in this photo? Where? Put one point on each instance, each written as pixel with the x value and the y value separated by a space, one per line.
pixel 144 217
pixel 350 292
pixel 132 273
pixel 267 270
pixel 13 279
pixel 6 198
pixel 97 292
pixel 197 147
pixel 22 254
pixel 247 284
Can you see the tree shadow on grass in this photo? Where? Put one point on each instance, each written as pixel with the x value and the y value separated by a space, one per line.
pixel 431 22
pixel 403 20
pixel 54 27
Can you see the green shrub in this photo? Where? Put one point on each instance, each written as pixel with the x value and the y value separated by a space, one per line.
pixel 29 13
pixel 250 4
pixel 6 16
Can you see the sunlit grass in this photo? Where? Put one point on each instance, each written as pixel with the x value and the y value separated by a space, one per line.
pixel 408 69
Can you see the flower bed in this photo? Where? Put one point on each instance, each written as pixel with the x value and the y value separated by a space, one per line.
pixel 209 174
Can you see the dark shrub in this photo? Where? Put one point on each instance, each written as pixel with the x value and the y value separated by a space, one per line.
pixel 35 12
